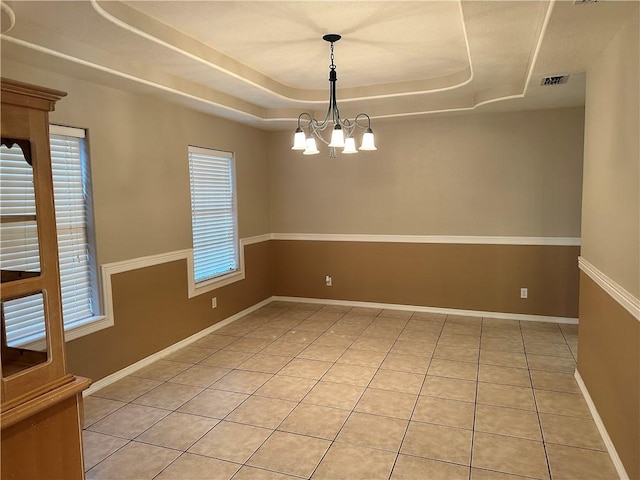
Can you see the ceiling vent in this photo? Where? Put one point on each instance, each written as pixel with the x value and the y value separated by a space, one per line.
pixel 584 2
pixel 554 80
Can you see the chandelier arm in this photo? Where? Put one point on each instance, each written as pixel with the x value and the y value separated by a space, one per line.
pixel 309 119
pixel 316 129
pixel 317 126
pixel 348 127
pixel 362 115
pixel 323 124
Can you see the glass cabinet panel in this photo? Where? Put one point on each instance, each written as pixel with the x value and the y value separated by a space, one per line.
pixel 19 252
pixel 24 342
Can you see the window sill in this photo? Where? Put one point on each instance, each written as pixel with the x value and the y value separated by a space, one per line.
pixel 78 329
pixel 196 289
pixel 87 326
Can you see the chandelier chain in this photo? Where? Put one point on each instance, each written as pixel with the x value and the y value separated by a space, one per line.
pixel 332 66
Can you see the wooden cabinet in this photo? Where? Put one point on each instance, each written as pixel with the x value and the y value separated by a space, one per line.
pixel 41 408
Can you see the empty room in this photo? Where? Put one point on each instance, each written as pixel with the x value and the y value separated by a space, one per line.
pixel 320 240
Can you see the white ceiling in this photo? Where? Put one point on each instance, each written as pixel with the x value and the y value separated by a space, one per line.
pixel 264 62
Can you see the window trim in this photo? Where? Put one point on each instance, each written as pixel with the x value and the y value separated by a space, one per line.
pixel 95 323
pixel 90 324
pixel 207 285
pixel 62 130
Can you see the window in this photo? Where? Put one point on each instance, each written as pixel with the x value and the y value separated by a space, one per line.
pixel 72 197
pixel 213 214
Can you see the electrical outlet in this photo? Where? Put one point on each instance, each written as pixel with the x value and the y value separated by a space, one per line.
pixel 214 302
pixel 328 281
pixel 524 293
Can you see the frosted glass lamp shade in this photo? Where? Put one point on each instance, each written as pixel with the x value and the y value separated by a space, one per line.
pixel 368 141
pixel 311 148
pixel 350 145
pixel 337 137
pixel 299 140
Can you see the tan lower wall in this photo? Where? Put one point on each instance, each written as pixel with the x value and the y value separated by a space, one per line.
pixel 609 364
pixel 459 276
pixel 152 311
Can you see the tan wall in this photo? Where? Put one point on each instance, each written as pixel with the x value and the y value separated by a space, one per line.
pixel 152 312
pixel 505 174
pixel 611 199
pixel 609 364
pixel 466 277
pixel 502 174
pixel 140 172
pixel 609 337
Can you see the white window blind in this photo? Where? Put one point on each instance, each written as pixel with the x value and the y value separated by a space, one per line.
pixel 19 246
pixel 213 213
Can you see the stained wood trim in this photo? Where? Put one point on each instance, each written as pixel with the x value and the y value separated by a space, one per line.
pixel 19 410
pixel 30 96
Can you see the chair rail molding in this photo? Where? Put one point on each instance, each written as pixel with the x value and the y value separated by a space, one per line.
pixel 615 291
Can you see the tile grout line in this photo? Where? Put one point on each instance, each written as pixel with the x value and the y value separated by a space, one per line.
pixel 254 353
pixel 159 420
pixel 404 436
pixel 317 381
pixel 569 346
pixel 305 396
pixel 356 403
pixel 475 403
pixel 130 440
pixel 275 429
pixel 535 403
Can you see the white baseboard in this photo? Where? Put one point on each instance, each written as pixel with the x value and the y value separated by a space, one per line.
pixel 622 473
pixel 446 311
pixel 103 382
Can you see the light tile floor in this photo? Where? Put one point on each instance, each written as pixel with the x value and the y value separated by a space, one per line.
pixel 328 392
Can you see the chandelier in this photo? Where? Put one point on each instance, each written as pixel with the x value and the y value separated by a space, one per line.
pixel 343 129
